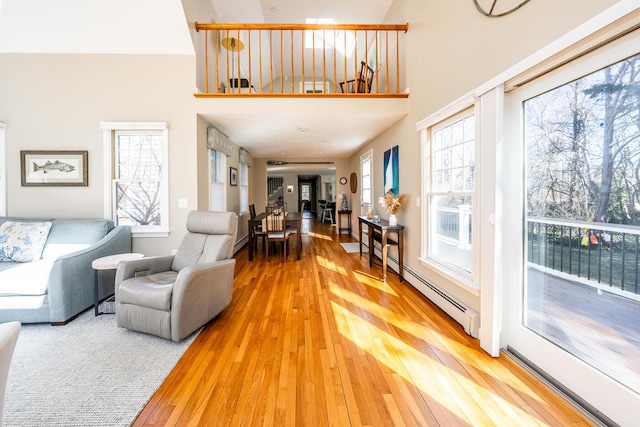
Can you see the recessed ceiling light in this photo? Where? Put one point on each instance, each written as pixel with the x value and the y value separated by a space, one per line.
pixel 278 142
pixel 324 141
pixel 303 129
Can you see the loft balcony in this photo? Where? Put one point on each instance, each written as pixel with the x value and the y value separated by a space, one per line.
pixel 315 60
pixel 344 84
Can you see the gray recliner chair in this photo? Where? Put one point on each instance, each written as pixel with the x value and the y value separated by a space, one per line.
pixel 172 296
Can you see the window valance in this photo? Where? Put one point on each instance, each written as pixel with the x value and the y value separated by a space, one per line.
pixel 218 141
pixel 245 157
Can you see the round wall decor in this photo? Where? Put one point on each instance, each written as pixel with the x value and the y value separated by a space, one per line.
pixel 354 182
pixel 343 180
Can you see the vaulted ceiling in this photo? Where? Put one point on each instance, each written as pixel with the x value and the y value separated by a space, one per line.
pixel 296 11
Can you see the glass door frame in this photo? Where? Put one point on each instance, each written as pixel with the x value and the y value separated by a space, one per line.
pixel 592 386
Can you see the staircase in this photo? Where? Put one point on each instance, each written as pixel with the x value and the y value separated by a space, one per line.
pixel 274 188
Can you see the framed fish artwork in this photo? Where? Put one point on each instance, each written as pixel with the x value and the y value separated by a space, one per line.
pixel 54 168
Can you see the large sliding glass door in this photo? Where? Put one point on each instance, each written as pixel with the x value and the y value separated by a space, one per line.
pixel 573 304
pixel 582 171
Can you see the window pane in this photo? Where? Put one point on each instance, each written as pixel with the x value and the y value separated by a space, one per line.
pixel 582 230
pixel 453 166
pixel 469 128
pixel 457 155
pixel 456 133
pixel 139 157
pixel 138 203
pixel 450 197
pixel 365 165
pixel 446 137
pixel 458 180
pixel 469 157
pixel 305 193
pixel 450 240
pixel 244 174
pixel 244 188
pixel 437 142
pixel 213 165
pixel 217 187
pixel 217 197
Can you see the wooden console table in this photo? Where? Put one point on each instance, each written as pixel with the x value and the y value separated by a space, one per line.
pixel 379 232
pixel 339 214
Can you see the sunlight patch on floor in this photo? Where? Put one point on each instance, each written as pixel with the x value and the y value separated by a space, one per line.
pixel 464 354
pixel 427 372
pixel 320 236
pixel 323 262
pixel 374 282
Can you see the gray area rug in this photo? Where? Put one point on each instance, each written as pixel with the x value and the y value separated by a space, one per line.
pixel 86 373
pixel 351 248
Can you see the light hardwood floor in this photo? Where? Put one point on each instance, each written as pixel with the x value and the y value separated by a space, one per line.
pixel 321 342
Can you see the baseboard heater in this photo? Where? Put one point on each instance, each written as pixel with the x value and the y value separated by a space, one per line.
pixel 465 316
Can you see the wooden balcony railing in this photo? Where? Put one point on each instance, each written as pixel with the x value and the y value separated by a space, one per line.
pixel 301 60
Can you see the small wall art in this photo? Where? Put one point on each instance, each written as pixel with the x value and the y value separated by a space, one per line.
pixel 391 170
pixel 233 176
pixel 54 168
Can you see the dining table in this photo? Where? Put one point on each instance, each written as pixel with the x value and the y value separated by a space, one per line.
pixel 293 219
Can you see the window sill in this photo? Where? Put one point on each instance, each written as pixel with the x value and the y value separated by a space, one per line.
pixel 463 282
pixel 150 233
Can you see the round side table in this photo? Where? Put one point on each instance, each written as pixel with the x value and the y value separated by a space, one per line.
pixel 108 263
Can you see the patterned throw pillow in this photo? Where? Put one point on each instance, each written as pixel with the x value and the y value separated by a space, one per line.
pixel 23 241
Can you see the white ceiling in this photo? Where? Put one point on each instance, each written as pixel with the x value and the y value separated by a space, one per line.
pixel 272 128
pixel 296 11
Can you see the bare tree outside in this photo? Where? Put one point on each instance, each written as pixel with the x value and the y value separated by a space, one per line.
pixel 583 151
pixel 138 172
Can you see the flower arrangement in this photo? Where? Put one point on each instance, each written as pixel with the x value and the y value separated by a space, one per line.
pixel 393 203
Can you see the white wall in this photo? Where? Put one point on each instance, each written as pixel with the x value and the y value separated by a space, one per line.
pixel 200 11
pixel 56 102
pixel 94 26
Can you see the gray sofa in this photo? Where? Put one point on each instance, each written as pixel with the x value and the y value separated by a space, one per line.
pixel 60 285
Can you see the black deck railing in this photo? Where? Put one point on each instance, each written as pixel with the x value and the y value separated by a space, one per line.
pixel 599 252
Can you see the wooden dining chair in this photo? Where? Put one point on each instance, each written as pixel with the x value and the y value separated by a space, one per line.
pixel 275 227
pixel 362 84
pixel 257 229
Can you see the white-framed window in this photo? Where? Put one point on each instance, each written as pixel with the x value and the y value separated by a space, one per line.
pixel 3 168
pixel 449 187
pixel 366 188
pixel 305 192
pixel 217 181
pixel 244 188
pixel 136 183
